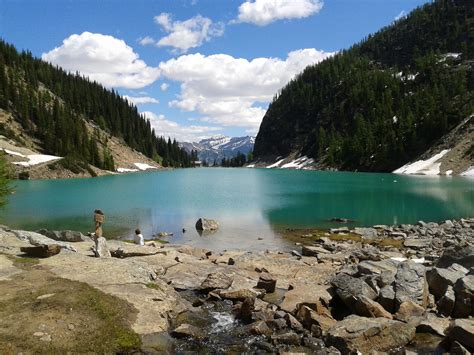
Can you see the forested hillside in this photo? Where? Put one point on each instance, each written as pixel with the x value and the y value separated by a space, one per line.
pixel 53 106
pixel 382 102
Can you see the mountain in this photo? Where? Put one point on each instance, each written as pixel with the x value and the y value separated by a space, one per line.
pixel 218 147
pixel 51 112
pixel 382 103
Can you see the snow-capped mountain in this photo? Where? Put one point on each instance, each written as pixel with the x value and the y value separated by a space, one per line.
pixel 218 147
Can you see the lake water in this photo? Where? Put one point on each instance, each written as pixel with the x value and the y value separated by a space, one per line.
pixel 252 205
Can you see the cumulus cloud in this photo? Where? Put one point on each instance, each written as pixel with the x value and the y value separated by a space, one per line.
pixel 264 12
pixel 174 130
pixel 105 59
pixel 140 100
pixel 233 91
pixel 164 86
pixel 183 35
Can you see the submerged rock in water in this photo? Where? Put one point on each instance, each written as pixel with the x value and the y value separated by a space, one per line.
pixel 188 331
pixel 204 224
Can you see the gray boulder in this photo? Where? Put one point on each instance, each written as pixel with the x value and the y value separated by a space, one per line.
pixel 204 224
pixel 417 243
pixel 446 303
pixel 100 248
pixel 64 236
pixel 365 335
pixel 350 290
pixel 307 250
pixel 366 233
pixel 216 280
pixel 464 304
pixel 267 283
pixel 188 331
pixel 387 298
pixel 439 279
pixel 463 332
pixel 457 254
pixel 434 325
pixel 39 239
pixel 410 284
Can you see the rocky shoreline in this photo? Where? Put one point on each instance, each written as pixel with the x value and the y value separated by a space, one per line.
pixel 396 289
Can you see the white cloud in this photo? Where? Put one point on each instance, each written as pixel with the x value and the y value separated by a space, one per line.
pixel 145 41
pixel 172 129
pixel 105 59
pixel 234 91
pixel 139 100
pixel 164 86
pixel 183 35
pixel 263 12
pixel 401 15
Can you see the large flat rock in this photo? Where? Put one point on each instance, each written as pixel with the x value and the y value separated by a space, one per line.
pixel 364 335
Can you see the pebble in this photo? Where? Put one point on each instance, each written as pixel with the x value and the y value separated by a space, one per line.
pixel 47 338
pixel 48 295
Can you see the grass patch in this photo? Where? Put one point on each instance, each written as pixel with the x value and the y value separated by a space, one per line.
pixel 23 262
pixel 316 234
pixel 101 322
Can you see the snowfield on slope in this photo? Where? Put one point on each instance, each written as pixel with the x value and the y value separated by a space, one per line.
pixel 33 159
pixel 469 172
pixel 298 164
pixel 423 167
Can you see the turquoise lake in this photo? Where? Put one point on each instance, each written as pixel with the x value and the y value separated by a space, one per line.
pixel 252 205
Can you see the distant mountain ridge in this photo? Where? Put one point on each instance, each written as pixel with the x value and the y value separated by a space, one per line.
pixel 217 147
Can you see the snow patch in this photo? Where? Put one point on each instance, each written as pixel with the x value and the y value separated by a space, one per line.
pixel 449 55
pixel 448 172
pixel 277 164
pixel 423 167
pixel 11 152
pixel 35 159
pixel 251 166
pixel 299 163
pixel 415 260
pixel 143 166
pixel 469 172
pixel 125 170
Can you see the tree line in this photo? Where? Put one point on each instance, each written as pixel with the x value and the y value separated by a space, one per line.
pixel 51 105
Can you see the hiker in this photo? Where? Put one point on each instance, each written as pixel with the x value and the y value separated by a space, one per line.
pixel 99 219
pixel 140 240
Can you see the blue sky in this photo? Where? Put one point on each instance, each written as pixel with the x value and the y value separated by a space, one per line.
pixel 195 68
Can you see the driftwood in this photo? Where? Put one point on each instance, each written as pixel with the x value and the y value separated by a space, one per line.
pixel 121 254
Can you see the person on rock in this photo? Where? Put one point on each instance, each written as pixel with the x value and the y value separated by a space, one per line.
pixel 140 240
